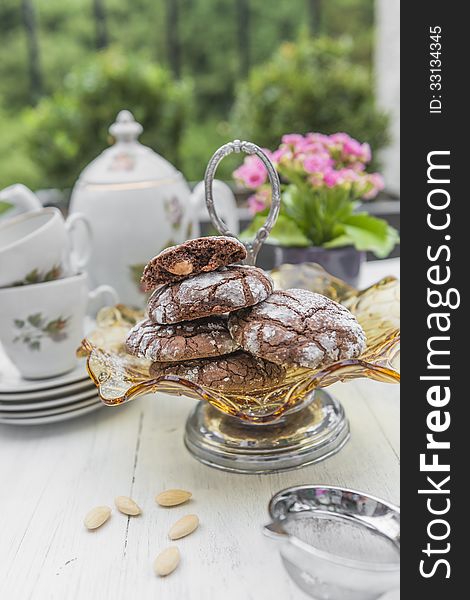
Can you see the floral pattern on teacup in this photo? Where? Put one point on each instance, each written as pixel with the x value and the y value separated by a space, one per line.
pixel 35 276
pixel 35 328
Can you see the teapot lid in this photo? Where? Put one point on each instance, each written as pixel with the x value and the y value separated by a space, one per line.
pixel 127 160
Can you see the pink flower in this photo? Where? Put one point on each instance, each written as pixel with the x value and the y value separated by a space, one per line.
pixel 318 163
pixel 282 152
pixel 377 183
pixel 306 148
pixel 350 149
pixel 340 138
pixel 319 138
pixel 255 179
pixel 255 204
pixel 353 150
pixel 260 200
pixel 349 175
pixel 359 167
pixel 252 173
pixel 292 139
pixel 366 153
pixel 332 178
pixel 341 176
pixel 315 160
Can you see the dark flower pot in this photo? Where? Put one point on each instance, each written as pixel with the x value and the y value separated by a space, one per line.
pixel 344 263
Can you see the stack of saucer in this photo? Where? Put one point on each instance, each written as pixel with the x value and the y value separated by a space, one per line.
pixel 36 402
pixel 44 303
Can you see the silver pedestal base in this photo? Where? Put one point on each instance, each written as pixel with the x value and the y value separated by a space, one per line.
pixel 301 438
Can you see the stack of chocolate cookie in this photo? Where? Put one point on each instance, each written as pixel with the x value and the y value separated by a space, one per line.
pixel 220 325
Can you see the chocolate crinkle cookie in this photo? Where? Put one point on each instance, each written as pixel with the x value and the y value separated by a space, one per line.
pixel 194 256
pixel 184 341
pixel 298 328
pixel 207 294
pixel 231 373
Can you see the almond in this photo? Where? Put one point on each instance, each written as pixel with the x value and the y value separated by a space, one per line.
pixel 183 527
pixel 183 267
pixel 97 516
pixel 127 506
pixel 167 561
pixel 172 497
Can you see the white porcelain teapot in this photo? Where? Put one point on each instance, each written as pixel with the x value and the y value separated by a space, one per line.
pixel 137 204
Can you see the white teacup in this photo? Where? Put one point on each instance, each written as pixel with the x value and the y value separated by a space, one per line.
pixel 41 325
pixel 40 246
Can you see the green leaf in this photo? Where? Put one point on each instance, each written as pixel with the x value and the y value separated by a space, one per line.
pixel 284 233
pixel 36 345
pixel 19 323
pixel 32 277
pixel 317 212
pixel 55 326
pixel 52 274
pixel 295 204
pixel 35 320
pixel 365 232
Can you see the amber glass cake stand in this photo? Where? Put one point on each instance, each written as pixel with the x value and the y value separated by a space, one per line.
pixel 313 433
pixel 288 425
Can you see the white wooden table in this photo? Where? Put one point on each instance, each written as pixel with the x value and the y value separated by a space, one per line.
pixel 51 475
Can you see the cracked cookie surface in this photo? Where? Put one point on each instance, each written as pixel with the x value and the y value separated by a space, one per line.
pixel 298 328
pixel 191 258
pixel 183 341
pixel 232 373
pixel 207 294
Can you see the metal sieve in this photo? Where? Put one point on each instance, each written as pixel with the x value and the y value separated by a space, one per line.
pixel 337 544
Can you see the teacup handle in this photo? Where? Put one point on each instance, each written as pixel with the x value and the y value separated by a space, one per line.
pixel 101 292
pixel 79 253
pixel 249 148
pixel 21 197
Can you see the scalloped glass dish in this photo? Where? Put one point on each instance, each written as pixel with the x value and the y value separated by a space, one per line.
pixel 121 377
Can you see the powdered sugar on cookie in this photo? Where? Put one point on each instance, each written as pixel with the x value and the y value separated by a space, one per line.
pixel 298 328
pixel 214 293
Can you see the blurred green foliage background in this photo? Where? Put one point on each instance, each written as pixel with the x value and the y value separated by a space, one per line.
pixel 195 73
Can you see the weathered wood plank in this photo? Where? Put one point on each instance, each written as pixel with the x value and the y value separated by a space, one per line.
pixel 52 475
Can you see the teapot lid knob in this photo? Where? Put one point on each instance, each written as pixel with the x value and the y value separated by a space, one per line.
pixel 125 128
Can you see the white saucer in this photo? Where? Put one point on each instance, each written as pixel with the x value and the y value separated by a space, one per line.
pixel 72 414
pixel 61 391
pixel 11 381
pixel 10 406
pixel 44 412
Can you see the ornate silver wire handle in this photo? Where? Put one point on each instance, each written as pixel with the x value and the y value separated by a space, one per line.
pixel 237 146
